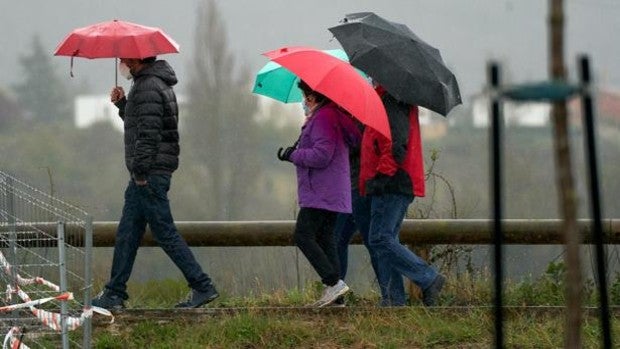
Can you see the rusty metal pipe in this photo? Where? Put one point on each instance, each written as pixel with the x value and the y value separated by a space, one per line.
pixel 279 233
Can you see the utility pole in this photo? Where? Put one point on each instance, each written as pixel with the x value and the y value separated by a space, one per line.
pixel 564 177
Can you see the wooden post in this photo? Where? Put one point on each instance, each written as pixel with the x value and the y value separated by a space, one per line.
pixel 566 187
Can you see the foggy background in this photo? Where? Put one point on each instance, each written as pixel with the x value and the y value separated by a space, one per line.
pixel 467 33
pixel 229 136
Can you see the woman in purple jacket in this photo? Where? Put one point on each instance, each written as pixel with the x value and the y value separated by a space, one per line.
pixel 321 158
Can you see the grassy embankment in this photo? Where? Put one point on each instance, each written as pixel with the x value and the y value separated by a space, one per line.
pixel 463 320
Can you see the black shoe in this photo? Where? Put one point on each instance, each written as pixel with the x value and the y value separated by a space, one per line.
pixel 430 295
pixel 107 300
pixel 197 299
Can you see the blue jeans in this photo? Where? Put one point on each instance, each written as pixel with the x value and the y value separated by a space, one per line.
pixel 390 284
pixel 149 204
pixel 387 214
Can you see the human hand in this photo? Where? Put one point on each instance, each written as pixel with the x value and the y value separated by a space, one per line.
pixel 141 183
pixel 285 154
pixel 117 94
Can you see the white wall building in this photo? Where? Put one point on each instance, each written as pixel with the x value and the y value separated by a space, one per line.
pixel 526 114
pixel 90 109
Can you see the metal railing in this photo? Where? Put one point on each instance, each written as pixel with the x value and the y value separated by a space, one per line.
pixel 413 232
pixel 419 235
pixel 46 268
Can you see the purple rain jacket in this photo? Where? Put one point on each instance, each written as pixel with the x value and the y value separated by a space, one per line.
pixel 322 160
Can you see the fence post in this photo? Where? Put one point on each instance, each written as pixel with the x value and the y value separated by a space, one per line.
pixel 12 236
pixel 595 201
pixel 88 277
pixel 496 189
pixel 62 258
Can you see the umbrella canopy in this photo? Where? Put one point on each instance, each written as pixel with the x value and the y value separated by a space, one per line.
pixel 338 81
pixel 279 83
pixel 116 39
pixel 407 67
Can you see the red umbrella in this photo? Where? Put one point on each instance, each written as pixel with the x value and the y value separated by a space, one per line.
pixel 338 81
pixel 117 39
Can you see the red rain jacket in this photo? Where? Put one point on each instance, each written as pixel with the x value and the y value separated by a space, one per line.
pixel 380 172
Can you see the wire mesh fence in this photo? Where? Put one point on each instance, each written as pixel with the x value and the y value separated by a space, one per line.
pixel 45 262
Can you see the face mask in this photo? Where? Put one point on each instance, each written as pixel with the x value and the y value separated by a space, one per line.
pixel 305 107
pixel 124 70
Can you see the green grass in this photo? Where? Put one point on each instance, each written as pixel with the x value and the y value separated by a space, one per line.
pixel 462 290
pixel 411 327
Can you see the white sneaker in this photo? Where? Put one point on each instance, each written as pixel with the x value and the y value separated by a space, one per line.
pixel 313 305
pixel 332 292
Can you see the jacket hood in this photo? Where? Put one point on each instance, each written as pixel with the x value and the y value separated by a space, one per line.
pixel 162 70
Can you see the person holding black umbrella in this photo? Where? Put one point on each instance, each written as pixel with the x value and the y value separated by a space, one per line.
pixel 347 224
pixel 391 175
pixel 411 73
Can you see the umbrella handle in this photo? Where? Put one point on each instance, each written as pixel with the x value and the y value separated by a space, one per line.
pixel 115 71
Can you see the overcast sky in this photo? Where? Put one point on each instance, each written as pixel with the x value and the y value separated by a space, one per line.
pixel 468 33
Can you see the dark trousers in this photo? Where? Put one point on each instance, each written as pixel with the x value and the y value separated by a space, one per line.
pixel 314 235
pixel 149 204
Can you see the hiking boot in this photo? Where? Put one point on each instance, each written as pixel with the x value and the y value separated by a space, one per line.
pixel 431 294
pixel 107 300
pixel 196 298
pixel 332 292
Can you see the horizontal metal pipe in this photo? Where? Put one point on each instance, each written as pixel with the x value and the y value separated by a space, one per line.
pixel 279 233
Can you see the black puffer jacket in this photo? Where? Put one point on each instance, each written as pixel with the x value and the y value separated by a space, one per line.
pixel 150 113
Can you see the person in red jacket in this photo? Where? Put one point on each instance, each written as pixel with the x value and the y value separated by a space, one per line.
pixel 392 175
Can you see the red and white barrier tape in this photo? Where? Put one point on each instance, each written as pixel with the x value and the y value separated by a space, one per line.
pixel 48 318
pixel 11 340
pixel 25 281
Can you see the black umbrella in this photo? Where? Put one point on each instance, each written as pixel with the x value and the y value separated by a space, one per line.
pixel 407 67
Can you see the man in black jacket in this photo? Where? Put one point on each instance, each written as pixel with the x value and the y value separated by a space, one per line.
pixel 150 115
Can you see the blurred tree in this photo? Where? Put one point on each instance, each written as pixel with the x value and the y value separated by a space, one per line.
pixel 10 113
pixel 220 125
pixel 41 92
pixel 84 167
